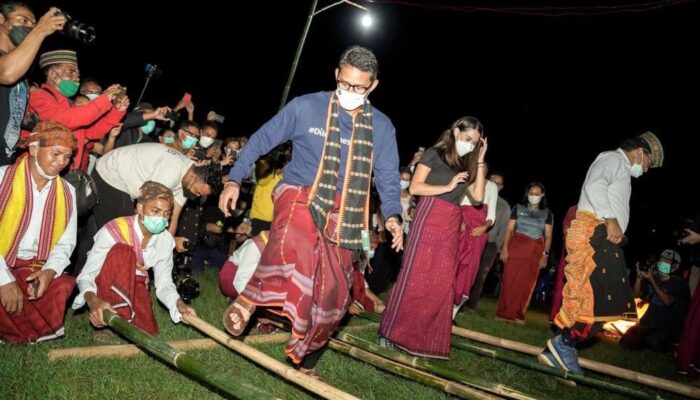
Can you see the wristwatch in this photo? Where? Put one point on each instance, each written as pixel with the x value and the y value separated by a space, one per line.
pixel 398 218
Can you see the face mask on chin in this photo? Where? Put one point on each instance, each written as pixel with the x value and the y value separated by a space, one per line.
pixel 349 100
pixel 41 171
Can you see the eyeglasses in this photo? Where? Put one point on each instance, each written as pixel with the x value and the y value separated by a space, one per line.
pixel 190 133
pixel 353 88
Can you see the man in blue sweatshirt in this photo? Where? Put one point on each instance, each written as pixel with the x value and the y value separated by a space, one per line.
pixel 321 212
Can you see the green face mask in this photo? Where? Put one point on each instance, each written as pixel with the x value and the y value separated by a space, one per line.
pixel 68 88
pixel 169 140
pixel 148 128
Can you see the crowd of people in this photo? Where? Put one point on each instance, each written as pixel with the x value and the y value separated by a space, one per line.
pixel 310 217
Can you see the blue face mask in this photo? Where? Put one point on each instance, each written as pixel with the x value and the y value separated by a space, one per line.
pixel 189 142
pixel 155 224
pixel 169 140
pixel 92 96
pixel 149 127
pixel 663 267
pixel 370 254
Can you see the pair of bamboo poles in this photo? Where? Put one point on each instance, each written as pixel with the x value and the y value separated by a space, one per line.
pixel 469 387
pixel 346 343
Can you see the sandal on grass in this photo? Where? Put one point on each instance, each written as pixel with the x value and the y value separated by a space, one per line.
pixel 237 315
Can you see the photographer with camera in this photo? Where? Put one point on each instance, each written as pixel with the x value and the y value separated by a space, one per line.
pixel 51 102
pixel 668 297
pixel 20 38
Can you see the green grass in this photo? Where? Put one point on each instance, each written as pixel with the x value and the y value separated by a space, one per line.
pixel 26 372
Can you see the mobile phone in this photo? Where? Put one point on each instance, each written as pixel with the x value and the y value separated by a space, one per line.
pixel 219 118
pixel 200 154
pixel 247 221
pixel 187 98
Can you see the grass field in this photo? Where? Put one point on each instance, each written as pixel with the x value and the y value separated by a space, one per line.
pixel 27 373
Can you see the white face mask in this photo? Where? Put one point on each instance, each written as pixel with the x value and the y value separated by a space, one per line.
pixel 534 200
pixel 205 141
pixel 41 171
pixel 464 147
pixel 637 170
pixel 405 184
pixel 92 96
pixel 349 100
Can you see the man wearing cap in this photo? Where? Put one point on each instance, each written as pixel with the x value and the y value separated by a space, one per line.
pixel 668 296
pixel 20 38
pixel 51 102
pixel 597 287
pixel 38 222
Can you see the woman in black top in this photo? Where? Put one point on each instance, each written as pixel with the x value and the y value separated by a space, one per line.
pixel 418 317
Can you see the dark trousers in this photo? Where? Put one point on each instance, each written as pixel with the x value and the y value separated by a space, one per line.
pixel 259 225
pixel 488 257
pixel 112 203
pixel 655 338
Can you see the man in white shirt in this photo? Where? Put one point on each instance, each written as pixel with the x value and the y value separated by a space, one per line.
pixel 120 173
pixel 115 276
pixel 38 221
pixel 597 287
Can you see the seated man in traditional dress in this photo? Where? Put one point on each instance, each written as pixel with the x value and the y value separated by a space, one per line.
pixel 38 225
pixel 115 276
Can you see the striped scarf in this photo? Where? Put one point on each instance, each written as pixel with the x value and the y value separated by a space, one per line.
pixel 123 230
pixel 353 215
pixel 16 204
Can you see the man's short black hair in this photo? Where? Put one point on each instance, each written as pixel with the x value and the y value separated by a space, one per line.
pixel 360 58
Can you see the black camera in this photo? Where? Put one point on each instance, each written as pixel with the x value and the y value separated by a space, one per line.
pixel 77 30
pixel 681 233
pixel 187 286
pixel 648 263
pixel 173 116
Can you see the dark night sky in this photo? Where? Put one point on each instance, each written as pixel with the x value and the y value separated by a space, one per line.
pixel 552 92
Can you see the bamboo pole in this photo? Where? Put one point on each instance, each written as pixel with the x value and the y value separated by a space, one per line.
pixel 607 369
pixel 611 387
pixel 638 377
pixel 313 385
pixel 413 374
pixel 433 367
pixel 182 361
pixel 130 350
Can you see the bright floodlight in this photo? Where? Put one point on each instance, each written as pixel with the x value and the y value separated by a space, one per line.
pixel 367 20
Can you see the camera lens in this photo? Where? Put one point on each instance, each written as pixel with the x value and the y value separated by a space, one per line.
pixel 79 30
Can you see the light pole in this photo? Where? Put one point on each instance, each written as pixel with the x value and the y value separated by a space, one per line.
pixel 366 22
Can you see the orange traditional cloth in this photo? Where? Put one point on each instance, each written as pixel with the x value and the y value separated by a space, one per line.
pixel 597 286
pixel 51 133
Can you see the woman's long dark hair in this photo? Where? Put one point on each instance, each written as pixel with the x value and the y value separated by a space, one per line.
pixel 543 202
pixel 448 151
